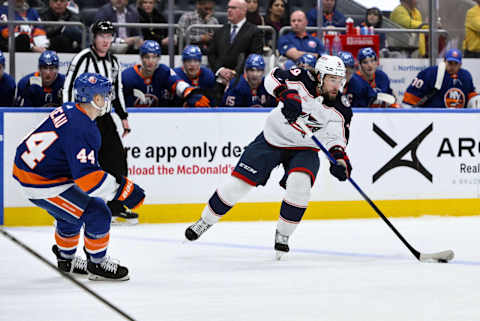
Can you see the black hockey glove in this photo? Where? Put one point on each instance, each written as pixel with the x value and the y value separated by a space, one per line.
pixel 194 97
pixel 292 103
pixel 343 168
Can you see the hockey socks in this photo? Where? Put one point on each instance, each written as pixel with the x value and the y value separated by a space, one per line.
pixel 215 209
pixel 67 244
pixel 290 216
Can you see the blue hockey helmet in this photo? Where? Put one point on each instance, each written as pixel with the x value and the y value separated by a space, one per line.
pixel 454 55
pixel 48 58
pixel 89 84
pixel 2 59
pixel 289 64
pixel 308 60
pixel 150 46
pixel 347 59
pixel 192 52
pixel 255 61
pixel 366 52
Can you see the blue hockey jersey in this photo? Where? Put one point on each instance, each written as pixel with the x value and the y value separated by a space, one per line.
pixel 132 79
pixel 165 82
pixel 380 84
pixel 7 90
pixel 359 92
pixel 61 152
pixel 205 78
pixel 31 93
pixel 455 92
pixel 242 95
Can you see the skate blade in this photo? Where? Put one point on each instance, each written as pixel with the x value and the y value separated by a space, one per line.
pixel 279 254
pixel 123 221
pixel 94 277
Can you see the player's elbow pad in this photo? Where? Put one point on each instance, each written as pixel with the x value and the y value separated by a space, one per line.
pixel 130 194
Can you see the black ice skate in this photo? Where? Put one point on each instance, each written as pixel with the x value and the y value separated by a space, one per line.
pixel 281 244
pixel 108 270
pixel 124 217
pixel 76 266
pixel 194 231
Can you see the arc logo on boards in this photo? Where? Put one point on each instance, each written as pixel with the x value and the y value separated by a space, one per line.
pixel 398 160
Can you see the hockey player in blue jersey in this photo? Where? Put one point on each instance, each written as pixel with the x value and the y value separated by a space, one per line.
pixel 357 90
pixel 57 168
pixel 249 90
pixel 455 85
pixel 43 87
pixel 193 73
pixel 137 80
pixel 7 85
pixel 376 78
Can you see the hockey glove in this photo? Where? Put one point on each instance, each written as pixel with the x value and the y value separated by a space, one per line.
pixel 130 194
pixel 343 168
pixel 292 104
pixel 194 98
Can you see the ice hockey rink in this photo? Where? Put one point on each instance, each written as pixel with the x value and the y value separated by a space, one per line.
pixel 337 270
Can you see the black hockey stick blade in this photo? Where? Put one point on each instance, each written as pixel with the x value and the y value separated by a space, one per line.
pixel 438 257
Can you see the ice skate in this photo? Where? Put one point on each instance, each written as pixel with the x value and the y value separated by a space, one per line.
pixel 281 244
pixel 76 266
pixel 194 231
pixel 124 217
pixel 107 270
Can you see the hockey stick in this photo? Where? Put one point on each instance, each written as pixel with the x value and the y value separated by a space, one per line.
pixel 441 257
pixel 438 84
pixel 65 275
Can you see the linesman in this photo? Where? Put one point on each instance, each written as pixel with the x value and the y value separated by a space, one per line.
pixel 98 59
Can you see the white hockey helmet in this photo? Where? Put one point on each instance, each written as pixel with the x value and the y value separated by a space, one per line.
pixel 330 65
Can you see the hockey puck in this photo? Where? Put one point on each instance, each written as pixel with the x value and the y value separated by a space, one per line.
pixel 442 261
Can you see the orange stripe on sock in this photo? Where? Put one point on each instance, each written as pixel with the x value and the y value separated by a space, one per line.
pixel 96 245
pixel 67 243
pixel 67 206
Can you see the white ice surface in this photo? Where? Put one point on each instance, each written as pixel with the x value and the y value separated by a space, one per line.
pixel 337 270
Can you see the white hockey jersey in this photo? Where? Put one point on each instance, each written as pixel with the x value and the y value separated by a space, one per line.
pixel 328 120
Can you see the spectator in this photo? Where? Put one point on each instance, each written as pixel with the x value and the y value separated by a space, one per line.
pixel 376 78
pixel 119 11
pixel 374 18
pixel 407 15
pixel 253 13
pixel 248 90
pixel 7 85
pixel 42 88
pixel 231 44
pixel 62 38
pixel 456 89
pixel 82 4
pixel 202 15
pixel 194 74
pixel 148 13
pixel 357 90
pixel 331 16
pixel 277 16
pixel 27 37
pixel 298 42
pixel 471 44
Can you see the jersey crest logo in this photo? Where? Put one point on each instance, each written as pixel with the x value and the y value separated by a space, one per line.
pixel 312 44
pixel 310 121
pixel 454 98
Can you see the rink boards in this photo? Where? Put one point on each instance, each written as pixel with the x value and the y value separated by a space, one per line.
pixel 411 162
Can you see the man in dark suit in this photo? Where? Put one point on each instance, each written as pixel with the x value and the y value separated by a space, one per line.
pixel 120 11
pixel 232 44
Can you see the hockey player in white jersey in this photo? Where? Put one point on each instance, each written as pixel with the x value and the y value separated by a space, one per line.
pixel 315 98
